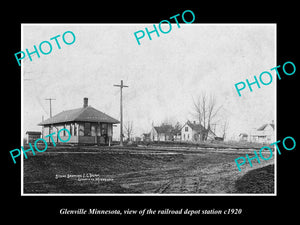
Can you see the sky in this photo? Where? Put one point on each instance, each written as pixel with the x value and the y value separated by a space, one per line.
pixel 163 74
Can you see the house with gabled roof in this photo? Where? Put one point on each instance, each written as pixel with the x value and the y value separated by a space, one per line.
pixel 194 132
pixel 87 125
pixel 264 134
pixel 161 133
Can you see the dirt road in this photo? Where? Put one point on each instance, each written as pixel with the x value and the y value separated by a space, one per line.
pixel 137 171
pixel 193 177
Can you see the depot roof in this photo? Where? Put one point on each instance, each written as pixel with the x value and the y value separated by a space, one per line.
pixel 85 114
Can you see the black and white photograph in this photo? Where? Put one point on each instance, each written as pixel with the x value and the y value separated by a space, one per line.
pixel 178 113
pixel 145 111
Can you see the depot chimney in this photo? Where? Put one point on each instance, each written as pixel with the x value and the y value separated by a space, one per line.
pixel 85 102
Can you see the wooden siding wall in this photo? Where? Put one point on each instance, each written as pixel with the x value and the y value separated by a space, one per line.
pixel 79 137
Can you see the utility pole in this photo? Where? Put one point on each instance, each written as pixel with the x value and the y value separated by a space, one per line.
pixel 121 111
pixel 50 99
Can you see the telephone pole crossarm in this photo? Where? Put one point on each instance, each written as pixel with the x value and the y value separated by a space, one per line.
pixel 50 99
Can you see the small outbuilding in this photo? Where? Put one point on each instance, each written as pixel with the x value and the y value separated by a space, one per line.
pixel 243 137
pixel 32 136
pixel 87 125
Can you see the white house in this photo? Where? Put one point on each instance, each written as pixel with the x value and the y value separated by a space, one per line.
pixel 161 133
pixel 165 132
pixel 193 132
pixel 264 134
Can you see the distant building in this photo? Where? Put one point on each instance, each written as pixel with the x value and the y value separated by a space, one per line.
pixel 162 133
pixel 243 137
pixel 264 134
pixel 219 138
pixel 193 132
pixel 32 136
pixel 146 137
pixel 137 139
pixel 87 125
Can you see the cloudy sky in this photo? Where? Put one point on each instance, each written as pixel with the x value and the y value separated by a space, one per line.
pixel 163 74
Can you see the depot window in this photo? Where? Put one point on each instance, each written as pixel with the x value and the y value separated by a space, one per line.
pixel 87 129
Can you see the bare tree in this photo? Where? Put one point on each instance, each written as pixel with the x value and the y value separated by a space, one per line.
pixel 177 131
pixel 177 127
pixel 205 111
pixel 128 126
pixel 167 121
pixel 225 127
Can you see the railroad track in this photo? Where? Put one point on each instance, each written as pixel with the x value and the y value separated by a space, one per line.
pixel 147 150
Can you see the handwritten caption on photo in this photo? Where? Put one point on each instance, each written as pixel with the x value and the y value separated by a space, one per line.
pixel 83 177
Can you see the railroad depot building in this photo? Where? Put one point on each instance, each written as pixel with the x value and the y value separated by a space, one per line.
pixel 87 125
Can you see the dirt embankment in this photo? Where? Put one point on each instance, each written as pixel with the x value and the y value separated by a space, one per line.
pixel 257 181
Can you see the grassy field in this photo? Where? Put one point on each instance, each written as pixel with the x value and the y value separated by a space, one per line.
pixel 129 172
